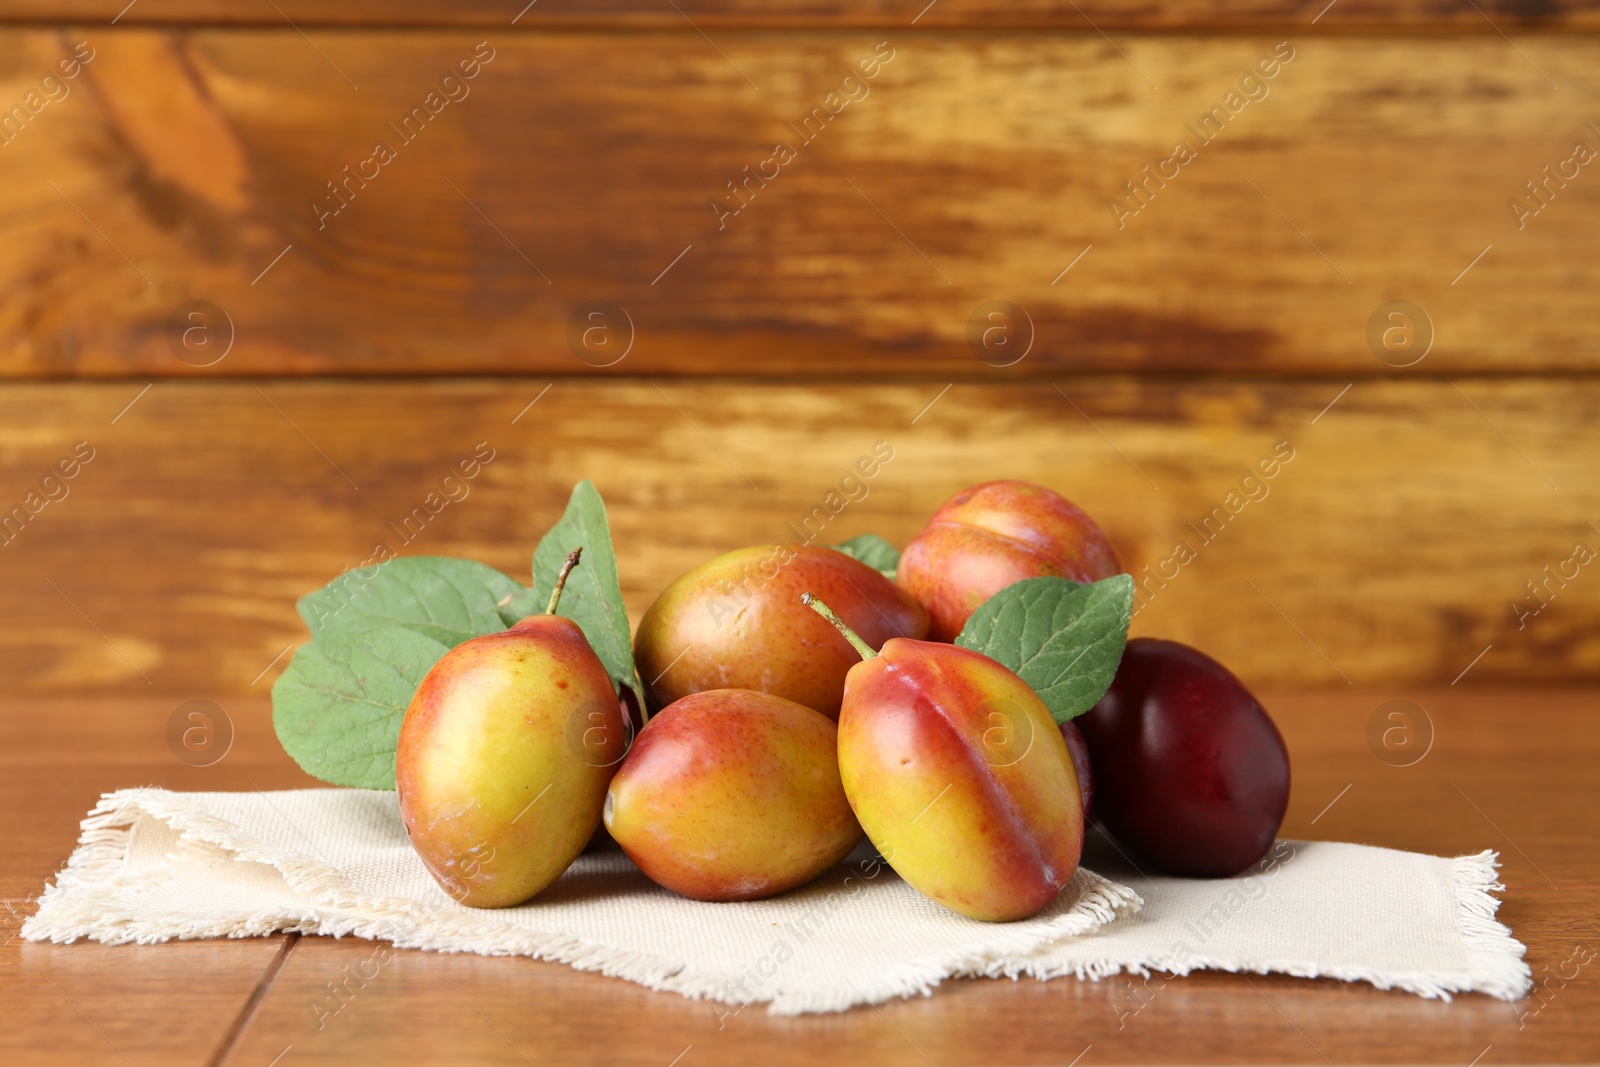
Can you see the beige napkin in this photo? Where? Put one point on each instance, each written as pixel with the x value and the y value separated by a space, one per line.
pixel 154 865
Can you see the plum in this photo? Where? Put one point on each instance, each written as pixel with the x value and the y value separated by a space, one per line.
pixel 496 796
pixel 1191 774
pixel 736 622
pixel 729 794
pixel 989 536
pixel 959 776
pixel 1079 748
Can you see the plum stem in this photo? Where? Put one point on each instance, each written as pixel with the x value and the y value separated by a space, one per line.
pixel 561 579
pixel 866 650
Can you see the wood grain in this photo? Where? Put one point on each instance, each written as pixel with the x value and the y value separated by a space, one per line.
pixel 1389 549
pixel 1535 783
pixel 88 1003
pixel 583 166
pixel 1455 15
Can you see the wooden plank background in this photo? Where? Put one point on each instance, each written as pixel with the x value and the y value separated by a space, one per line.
pixel 1389 549
pixel 346 362
pixel 1211 15
pixel 182 165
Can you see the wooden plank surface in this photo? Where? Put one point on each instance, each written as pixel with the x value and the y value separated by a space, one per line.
pixel 92 1004
pixel 1391 547
pixel 1511 769
pixel 583 168
pixel 980 14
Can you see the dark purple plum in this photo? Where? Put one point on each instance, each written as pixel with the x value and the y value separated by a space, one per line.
pixel 1080 764
pixel 1191 774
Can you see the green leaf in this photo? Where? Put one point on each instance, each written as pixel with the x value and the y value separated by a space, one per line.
pixel 1064 638
pixel 874 551
pixel 449 600
pixel 377 631
pixel 337 708
pixel 593 594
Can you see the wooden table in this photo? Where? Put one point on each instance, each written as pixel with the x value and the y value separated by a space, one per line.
pixel 1509 770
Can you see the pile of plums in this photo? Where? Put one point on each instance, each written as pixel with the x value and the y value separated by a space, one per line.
pixel 800 698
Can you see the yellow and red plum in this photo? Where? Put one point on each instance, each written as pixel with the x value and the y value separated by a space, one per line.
pixel 503 760
pixel 961 779
pixel 731 794
pixel 736 622
pixel 992 535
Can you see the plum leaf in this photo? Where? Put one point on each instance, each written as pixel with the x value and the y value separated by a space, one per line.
pixel 1064 638
pixel 338 706
pixel 593 594
pixel 449 600
pixel 376 632
pixel 872 550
